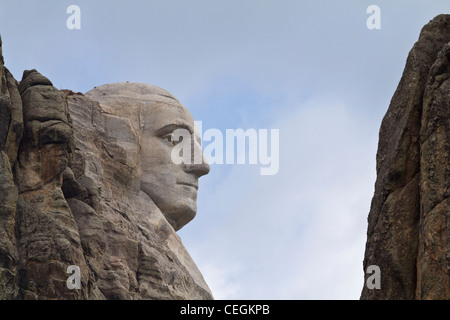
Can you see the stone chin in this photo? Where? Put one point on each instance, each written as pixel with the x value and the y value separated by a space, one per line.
pixel 179 207
pixel 181 215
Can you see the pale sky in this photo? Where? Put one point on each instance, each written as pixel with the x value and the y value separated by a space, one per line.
pixel 311 69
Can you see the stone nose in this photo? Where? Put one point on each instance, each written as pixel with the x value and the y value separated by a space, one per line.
pixel 199 166
pixel 198 170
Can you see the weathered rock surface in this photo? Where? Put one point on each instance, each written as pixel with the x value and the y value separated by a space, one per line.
pixel 69 195
pixel 408 234
pixel 130 246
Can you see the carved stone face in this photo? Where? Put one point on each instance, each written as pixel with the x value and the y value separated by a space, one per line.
pixel 172 187
pixel 139 121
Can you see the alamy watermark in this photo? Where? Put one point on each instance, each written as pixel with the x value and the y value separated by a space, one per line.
pixel 74 20
pixel 233 148
pixel 74 280
pixel 374 20
pixel 237 147
pixel 374 280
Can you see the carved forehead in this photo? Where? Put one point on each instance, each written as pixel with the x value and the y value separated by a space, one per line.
pixel 132 91
pixel 144 105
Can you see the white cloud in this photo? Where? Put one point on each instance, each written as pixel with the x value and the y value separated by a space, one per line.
pixel 299 234
pixel 220 280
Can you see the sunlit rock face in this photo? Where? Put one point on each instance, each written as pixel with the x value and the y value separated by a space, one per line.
pixel 128 197
pixel 408 234
pixel 87 180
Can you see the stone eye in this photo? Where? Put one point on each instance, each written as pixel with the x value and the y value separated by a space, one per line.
pixel 169 138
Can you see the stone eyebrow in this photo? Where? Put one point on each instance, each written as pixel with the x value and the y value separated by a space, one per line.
pixel 172 127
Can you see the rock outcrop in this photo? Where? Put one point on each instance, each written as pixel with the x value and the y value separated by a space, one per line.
pixel 408 234
pixel 69 195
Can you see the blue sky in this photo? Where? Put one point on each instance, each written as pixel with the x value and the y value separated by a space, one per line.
pixel 311 69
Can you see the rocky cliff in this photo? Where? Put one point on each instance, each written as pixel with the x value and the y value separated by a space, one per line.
pixel 408 234
pixel 68 197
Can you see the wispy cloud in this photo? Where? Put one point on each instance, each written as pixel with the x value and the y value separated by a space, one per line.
pixel 308 68
pixel 301 233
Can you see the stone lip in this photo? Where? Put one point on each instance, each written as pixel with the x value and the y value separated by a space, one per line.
pixel 408 233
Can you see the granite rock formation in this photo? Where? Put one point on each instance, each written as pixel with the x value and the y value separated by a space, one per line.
pixel 70 195
pixel 408 234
